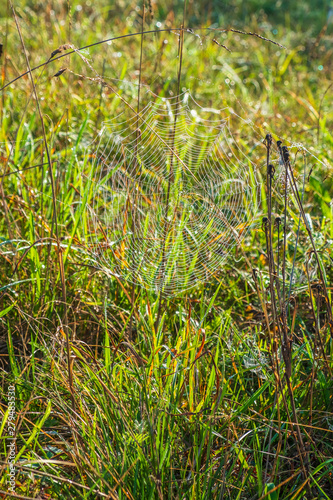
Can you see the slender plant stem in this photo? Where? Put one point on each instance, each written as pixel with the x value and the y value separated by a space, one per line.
pixel 297 237
pixel 136 164
pixel 61 266
pixel 171 171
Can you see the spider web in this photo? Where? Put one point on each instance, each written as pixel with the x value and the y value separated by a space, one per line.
pixel 213 165
pixel 174 190
pixel 173 193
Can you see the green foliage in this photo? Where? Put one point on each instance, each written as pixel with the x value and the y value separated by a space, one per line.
pixel 194 407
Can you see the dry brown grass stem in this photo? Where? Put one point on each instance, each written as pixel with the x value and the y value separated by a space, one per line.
pixel 61 266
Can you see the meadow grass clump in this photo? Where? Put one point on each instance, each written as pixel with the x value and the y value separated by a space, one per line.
pixel 222 391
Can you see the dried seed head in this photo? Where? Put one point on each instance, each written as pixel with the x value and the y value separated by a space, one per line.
pixel 271 170
pixel 268 139
pixel 60 72
pixel 285 154
pixel 60 49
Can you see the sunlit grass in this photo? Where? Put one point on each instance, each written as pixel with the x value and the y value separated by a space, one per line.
pixel 190 408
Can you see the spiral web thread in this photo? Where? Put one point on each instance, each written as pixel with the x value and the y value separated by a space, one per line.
pixel 173 194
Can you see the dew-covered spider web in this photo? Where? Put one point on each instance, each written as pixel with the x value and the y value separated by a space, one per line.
pixel 168 194
pixel 173 193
